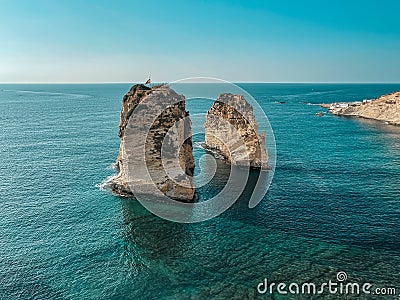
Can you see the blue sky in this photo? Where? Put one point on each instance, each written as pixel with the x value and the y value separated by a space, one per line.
pixel 256 41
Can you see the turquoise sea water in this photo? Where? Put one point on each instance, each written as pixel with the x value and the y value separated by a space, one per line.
pixel 334 203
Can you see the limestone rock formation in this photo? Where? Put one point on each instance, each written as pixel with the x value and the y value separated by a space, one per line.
pixel 385 108
pixel 159 155
pixel 231 131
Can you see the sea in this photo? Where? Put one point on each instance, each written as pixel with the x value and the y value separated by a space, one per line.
pixel 333 207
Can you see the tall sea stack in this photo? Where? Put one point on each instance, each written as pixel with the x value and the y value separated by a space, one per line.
pixel 231 130
pixel 166 145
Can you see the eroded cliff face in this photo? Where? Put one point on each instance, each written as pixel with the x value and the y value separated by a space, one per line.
pixel 231 130
pixel 385 108
pixel 159 155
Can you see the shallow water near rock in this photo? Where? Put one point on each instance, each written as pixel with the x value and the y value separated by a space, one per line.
pixel 334 203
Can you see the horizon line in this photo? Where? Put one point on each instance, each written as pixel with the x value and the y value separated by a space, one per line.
pixel 268 82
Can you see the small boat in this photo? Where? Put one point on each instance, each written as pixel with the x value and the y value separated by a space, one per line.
pixel 320 114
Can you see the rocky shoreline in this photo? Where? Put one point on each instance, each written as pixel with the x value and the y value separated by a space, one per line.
pixel 385 108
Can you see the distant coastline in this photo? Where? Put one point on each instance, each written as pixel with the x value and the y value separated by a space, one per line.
pixel 385 108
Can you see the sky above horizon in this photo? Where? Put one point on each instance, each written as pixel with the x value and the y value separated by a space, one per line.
pixel 240 41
